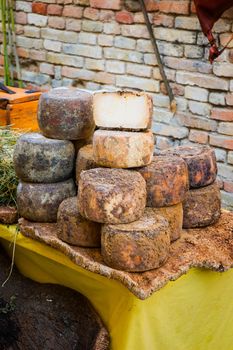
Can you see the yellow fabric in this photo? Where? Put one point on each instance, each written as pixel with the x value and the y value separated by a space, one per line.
pixel 193 313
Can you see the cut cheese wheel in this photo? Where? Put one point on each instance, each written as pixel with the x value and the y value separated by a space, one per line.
pixel 201 162
pixel 166 181
pixel 111 195
pixel 174 216
pixel 66 114
pixel 202 206
pixel 42 160
pixel 139 246
pixel 73 228
pixel 122 149
pixel 123 110
pixel 85 161
pixel 40 202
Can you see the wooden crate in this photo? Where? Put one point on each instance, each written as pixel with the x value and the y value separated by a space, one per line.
pixel 19 110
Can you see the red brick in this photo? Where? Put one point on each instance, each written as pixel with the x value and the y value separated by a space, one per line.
pixel 228 186
pixel 222 114
pixel 229 99
pixel 40 8
pixel 54 9
pixel 193 8
pixel 91 13
pixel 179 7
pixel 106 4
pixel 198 136
pixel 22 52
pixel 124 17
pixel 230 56
pixel 56 22
pixel 72 11
pixel 163 20
pixel 1 60
pixel 151 5
pixel 21 18
pixel 221 141
pixel 107 15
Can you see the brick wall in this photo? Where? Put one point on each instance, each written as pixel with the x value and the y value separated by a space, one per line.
pixel 100 43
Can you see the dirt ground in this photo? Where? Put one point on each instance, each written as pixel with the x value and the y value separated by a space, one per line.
pixel 37 316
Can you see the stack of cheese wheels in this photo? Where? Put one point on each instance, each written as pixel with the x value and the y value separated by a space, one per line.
pixel 202 204
pixel 111 192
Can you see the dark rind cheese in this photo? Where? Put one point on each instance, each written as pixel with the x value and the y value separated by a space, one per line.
pixel 42 160
pixel 202 206
pixel 66 114
pixel 111 195
pixel 139 246
pixel 40 202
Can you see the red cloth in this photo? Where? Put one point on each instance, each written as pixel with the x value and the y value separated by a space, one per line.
pixel 208 12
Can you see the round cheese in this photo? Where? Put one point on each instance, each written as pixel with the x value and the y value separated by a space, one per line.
pixel 85 161
pixel 122 149
pixel 111 195
pixel 166 181
pixel 139 246
pixel 202 206
pixel 66 114
pixel 42 160
pixel 201 162
pixel 40 202
pixel 73 228
pixel 130 110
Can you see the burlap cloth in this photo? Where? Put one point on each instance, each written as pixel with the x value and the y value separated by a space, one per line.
pixel 210 248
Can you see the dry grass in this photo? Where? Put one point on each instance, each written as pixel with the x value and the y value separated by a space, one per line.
pixel 8 178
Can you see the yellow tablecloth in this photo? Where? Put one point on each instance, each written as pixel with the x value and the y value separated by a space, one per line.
pixel 193 313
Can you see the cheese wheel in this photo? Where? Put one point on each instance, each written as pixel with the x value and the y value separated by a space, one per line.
pixel 139 246
pixel 40 202
pixel 111 196
pixel 122 149
pixel 73 228
pixel 174 216
pixel 202 206
pixel 201 162
pixel 78 144
pixel 130 110
pixel 85 161
pixel 166 181
pixel 8 215
pixel 66 114
pixel 42 160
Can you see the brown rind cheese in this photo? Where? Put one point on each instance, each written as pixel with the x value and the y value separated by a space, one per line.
pixel 75 229
pixel 8 215
pixel 111 196
pixel 127 110
pixel 139 246
pixel 166 181
pixel 122 149
pixel 201 162
pixel 174 216
pixel 66 114
pixel 202 206
pixel 85 161
pixel 42 160
pixel 40 202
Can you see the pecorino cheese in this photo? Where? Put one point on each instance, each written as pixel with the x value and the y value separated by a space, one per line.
pixel 122 149
pixel 40 202
pixel 201 162
pixel 111 196
pixel 85 161
pixel 130 110
pixel 166 181
pixel 66 114
pixel 202 206
pixel 75 229
pixel 139 246
pixel 174 216
pixel 42 160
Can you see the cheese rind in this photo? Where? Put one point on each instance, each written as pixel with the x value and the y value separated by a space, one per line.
pixel 75 229
pixel 139 246
pixel 130 110
pixel 201 162
pixel 85 161
pixel 40 202
pixel 111 195
pixel 202 206
pixel 42 160
pixel 166 181
pixel 66 114
pixel 122 149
